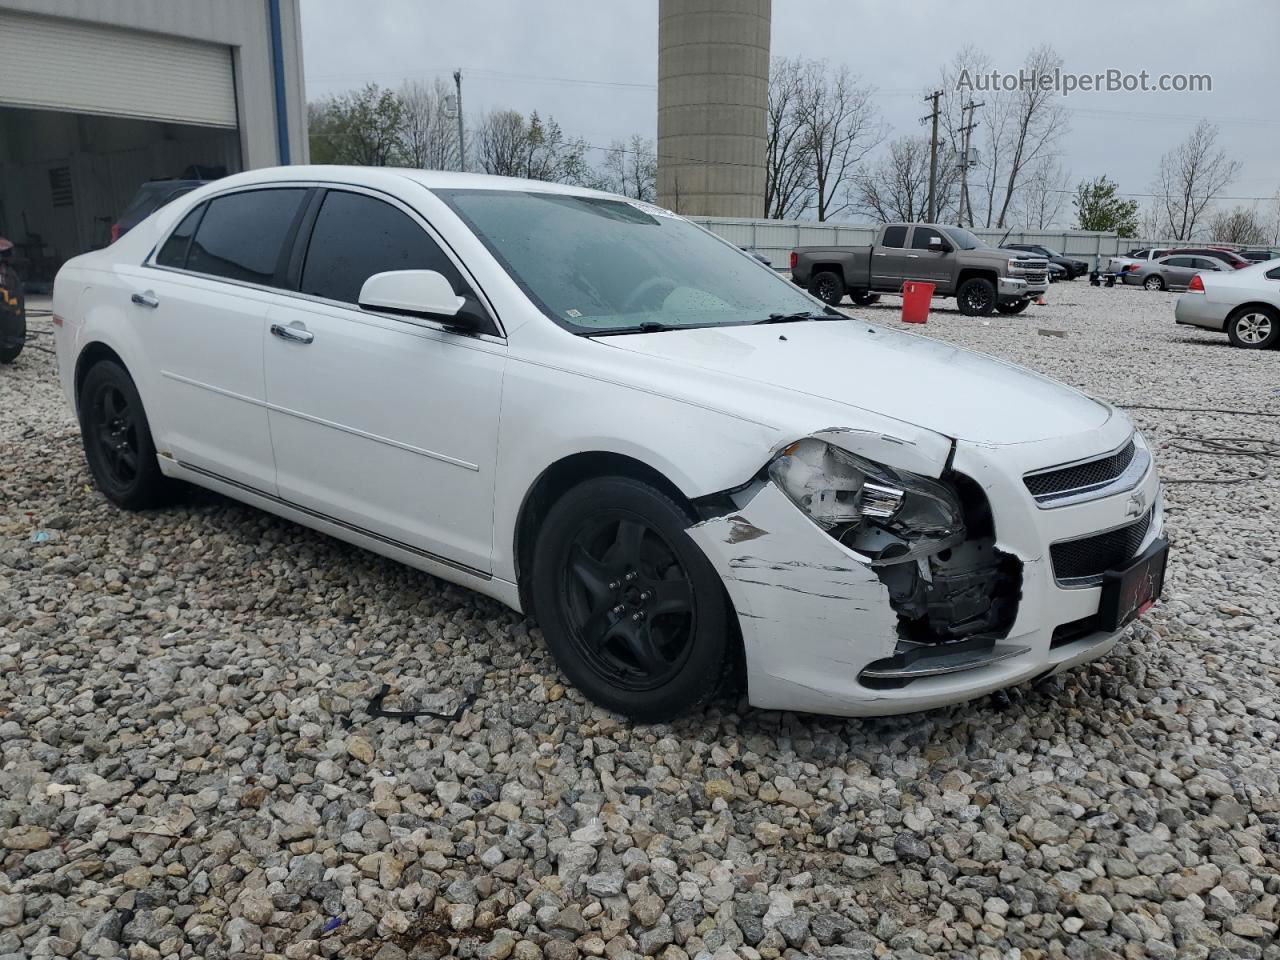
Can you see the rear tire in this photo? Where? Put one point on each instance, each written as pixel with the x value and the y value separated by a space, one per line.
pixel 976 297
pixel 632 610
pixel 828 287
pixel 1254 328
pixel 1154 282
pixel 1014 306
pixel 117 439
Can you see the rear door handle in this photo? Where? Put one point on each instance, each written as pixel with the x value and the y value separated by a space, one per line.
pixel 294 332
pixel 145 299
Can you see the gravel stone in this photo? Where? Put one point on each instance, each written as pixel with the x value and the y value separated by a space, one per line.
pixel 190 768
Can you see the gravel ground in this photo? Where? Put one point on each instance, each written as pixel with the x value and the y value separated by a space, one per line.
pixel 189 766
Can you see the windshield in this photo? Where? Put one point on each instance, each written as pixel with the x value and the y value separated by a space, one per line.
pixel 598 265
pixel 1049 252
pixel 963 238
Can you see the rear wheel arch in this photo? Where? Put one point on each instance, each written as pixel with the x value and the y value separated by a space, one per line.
pixel 92 354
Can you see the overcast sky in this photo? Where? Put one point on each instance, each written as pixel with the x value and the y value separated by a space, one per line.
pixel 592 64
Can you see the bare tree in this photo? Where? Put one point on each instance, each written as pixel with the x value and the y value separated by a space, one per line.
pixel 897 187
pixel 428 137
pixel 840 126
pixel 509 145
pixel 1239 225
pixel 1274 226
pixel 500 143
pixel 1191 175
pixel 631 169
pixel 1037 121
pixel 1044 194
pixel 788 185
pixel 1016 129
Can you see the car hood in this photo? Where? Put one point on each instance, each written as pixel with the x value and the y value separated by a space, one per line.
pixel 943 388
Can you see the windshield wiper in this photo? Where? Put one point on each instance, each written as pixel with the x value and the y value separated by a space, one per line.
pixel 797 317
pixel 648 326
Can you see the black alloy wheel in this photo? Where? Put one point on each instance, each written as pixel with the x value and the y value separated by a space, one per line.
pixel 632 610
pixel 628 603
pixel 117 439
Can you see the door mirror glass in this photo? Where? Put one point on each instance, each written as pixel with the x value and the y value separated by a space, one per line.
pixel 937 244
pixel 412 293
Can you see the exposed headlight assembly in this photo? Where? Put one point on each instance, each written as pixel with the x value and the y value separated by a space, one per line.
pixel 887 515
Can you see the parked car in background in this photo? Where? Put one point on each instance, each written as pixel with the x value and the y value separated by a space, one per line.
pixel 1058 272
pixel 13 309
pixel 586 407
pixel 1245 304
pixel 1119 263
pixel 1260 255
pixel 151 196
pixel 983 279
pixel 1072 266
pixel 1230 257
pixel 1172 271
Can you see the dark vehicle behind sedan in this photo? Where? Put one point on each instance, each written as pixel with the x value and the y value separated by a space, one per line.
pixel 1073 266
pixel 151 196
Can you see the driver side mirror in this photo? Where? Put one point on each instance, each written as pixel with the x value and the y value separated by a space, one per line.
pixel 938 245
pixel 422 295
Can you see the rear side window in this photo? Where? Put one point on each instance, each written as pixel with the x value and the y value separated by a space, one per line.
pixel 242 234
pixel 894 237
pixel 1273 274
pixel 1178 262
pixel 356 236
pixel 174 251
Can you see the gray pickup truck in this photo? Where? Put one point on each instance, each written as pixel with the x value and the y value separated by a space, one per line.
pixel 956 262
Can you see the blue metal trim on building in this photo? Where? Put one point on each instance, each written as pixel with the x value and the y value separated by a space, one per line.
pixel 277 69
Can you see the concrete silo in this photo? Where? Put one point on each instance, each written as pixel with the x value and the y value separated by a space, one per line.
pixel 713 92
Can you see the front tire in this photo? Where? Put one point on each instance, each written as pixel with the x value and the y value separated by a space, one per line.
pixel 1254 328
pixel 828 287
pixel 117 439
pixel 977 297
pixel 632 610
pixel 1013 306
pixel 1154 283
pixel 13 319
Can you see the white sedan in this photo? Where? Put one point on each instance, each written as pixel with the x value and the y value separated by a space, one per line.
pixel 608 418
pixel 1244 304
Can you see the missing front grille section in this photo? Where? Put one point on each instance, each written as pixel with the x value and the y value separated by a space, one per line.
pixel 967 590
pixel 1080 476
pixel 1086 559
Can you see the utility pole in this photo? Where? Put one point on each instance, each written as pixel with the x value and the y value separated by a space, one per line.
pixel 966 111
pixel 462 143
pixel 933 153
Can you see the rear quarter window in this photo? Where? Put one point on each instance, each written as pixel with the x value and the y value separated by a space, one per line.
pixel 242 235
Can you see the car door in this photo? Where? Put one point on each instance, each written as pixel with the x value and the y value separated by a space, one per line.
pixel 200 307
pixel 925 263
pixel 1178 271
pixel 385 424
pixel 889 263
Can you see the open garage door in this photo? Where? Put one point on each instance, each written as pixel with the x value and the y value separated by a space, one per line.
pixel 52 64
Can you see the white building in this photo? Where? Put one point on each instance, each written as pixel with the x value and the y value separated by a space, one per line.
pixel 98 96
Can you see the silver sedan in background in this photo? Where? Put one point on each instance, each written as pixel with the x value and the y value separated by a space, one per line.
pixel 1245 304
pixel 1172 271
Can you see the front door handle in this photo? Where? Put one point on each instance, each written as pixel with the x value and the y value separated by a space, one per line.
pixel 294 332
pixel 147 299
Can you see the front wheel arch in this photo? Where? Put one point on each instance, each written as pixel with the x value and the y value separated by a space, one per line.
pixel 558 479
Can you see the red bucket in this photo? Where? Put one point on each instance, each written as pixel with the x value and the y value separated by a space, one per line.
pixel 915 301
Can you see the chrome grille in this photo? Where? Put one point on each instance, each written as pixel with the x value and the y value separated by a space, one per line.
pixel 1084 561
pixel 1035 276
pixel 1048 484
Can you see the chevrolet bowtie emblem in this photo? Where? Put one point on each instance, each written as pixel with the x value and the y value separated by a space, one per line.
pixel 1137 505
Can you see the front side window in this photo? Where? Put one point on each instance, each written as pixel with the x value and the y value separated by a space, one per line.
pixel 920 239
pixel 356 236
pixel 601 265
pixel 963 239
pixel 242 235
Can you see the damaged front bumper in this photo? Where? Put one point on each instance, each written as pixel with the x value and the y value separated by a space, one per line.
pixel 822 629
